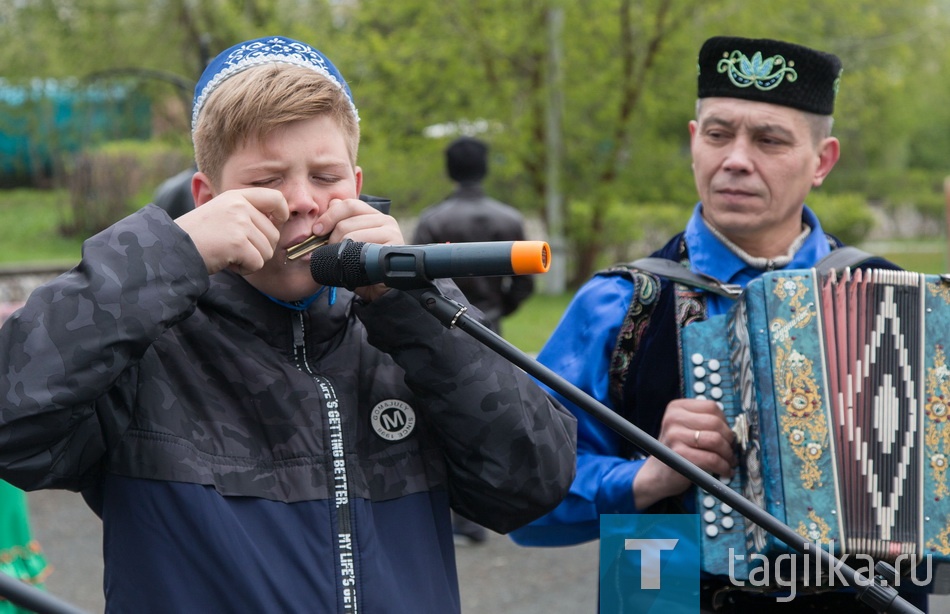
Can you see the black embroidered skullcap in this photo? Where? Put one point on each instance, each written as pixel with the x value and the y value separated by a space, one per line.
pixel 772 71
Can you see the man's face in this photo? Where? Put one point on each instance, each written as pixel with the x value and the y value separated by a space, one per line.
pixel 309 163
pixel 754 163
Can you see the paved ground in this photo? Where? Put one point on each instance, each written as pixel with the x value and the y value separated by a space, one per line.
pixel 497 576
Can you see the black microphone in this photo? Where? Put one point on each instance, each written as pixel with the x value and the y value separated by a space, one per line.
pixel 352 264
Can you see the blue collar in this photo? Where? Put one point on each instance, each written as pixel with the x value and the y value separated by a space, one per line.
pixel 707 254
pixel 303 304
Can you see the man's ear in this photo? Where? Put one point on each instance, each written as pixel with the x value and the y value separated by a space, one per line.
pixel 201 189
pixel 828 154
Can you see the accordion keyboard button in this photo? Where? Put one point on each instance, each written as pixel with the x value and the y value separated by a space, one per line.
pixel 713 365
pixel 726 508
pixel 709 501
pixel 727 522
pixel 697 359
pixel 699 387
pixel 712 530
pixel 699 373
pixel 715 379
pixel 709 516
pixel 716 393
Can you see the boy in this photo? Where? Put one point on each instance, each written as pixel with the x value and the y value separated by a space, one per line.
pixel 251 441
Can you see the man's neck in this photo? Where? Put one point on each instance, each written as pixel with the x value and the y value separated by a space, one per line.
pixel 764 255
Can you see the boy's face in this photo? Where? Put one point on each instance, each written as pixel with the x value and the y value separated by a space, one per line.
pixel 309 163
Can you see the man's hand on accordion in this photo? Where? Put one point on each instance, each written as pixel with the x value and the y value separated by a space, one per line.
pixel 697 430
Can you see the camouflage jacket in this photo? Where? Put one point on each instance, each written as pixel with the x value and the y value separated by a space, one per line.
pixel 192 410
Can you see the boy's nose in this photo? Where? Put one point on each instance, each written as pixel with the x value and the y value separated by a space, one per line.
pixel 301 198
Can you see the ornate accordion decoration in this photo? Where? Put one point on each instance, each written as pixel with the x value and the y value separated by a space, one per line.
pixel 838 390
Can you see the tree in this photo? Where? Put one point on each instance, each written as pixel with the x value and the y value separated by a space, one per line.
pixel 420 70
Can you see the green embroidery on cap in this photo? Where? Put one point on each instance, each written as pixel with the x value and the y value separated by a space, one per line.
pixel 763 74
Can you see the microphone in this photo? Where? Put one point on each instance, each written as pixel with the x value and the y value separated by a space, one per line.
pixel 352 264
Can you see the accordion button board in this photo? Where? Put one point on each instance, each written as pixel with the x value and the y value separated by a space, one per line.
pixel 838 390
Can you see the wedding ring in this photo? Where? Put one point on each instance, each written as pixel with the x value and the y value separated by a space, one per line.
pixel 696 438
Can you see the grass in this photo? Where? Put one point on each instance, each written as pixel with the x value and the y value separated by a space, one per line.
pixel 29 220
pixel 924 256
pixel 529 327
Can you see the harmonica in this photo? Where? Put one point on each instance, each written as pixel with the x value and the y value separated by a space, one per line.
pixel 306 246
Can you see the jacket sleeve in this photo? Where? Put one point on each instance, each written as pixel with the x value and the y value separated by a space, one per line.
pixel 67 357
pixel 509 448
pixel 579 351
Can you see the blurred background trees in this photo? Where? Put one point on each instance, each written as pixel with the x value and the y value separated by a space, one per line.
pixel 590 115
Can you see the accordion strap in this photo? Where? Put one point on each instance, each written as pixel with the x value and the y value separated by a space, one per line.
pixel 677 272
pixel 837 259
pixel 842 258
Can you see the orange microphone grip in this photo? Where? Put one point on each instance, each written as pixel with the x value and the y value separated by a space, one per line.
pixel 530 257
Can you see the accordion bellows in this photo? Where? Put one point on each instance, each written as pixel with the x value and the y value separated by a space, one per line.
pixel 838 390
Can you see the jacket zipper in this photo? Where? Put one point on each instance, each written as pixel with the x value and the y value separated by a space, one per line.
pixel 345 538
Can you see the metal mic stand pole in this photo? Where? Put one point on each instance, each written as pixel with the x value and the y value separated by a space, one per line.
pixel 875 592
pixel 32 598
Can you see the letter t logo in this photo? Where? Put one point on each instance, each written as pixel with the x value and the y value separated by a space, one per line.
pixel 649 558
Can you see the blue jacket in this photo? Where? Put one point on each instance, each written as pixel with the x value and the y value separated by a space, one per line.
pixel 582 350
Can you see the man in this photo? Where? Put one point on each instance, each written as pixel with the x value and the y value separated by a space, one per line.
pixel 469 214
pixel 760 142
pixel 252 441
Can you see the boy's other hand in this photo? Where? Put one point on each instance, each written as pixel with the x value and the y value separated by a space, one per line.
pixel 353 219
pixel 237 229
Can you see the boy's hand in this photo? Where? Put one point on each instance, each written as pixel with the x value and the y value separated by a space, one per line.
pixel 354 219
pixel 237 229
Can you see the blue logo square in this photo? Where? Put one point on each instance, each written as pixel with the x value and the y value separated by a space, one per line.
pixel 649 564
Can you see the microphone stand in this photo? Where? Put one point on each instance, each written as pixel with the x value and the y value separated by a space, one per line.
pixel 32 598
pixel 877 593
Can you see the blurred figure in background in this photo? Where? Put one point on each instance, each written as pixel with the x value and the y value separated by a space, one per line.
pixel 469 214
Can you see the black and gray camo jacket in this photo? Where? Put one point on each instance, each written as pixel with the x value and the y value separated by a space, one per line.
pixel 137 367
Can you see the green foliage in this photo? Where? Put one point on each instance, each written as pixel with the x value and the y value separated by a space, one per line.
pixel 628 83
pixel 846 216
pixel 111 181
pixel 629 230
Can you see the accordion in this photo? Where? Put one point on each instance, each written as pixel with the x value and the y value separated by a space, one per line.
pixel 838 389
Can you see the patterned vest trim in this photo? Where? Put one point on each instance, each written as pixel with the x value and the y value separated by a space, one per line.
pixel 690 307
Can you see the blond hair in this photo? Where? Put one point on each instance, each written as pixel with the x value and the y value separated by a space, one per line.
pixel 255 102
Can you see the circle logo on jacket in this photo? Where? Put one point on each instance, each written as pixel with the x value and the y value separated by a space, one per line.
pixel 393 419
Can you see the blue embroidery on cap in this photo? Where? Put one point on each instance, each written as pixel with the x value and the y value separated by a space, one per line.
pixel 261 51
pixel 762 74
